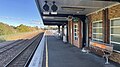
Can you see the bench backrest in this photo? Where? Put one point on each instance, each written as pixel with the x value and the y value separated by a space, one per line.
pixel 102 46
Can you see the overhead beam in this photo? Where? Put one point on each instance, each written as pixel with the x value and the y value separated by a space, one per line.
pixel 110 0
pixel 61 15
pixel 45 20
pixel 53 23
pixel 56 18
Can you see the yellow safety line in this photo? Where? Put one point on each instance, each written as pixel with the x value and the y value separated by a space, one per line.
pixel 46 53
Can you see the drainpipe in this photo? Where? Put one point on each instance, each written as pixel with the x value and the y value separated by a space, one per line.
pixel 83 18
pixel 84 32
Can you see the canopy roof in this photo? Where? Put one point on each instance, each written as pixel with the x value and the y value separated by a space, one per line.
pixel 70 8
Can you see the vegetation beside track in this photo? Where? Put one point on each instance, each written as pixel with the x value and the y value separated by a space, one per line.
pixel 8 32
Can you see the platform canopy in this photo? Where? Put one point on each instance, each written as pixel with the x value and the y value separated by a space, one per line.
pixel 65 8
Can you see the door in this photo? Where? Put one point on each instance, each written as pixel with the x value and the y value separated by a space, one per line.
pixel 76 34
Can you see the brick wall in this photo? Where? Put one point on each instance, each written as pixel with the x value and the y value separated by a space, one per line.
pixel 105 15
pixel 115 57
pixel 79 32
pixel 96 16
pixel 114 12
pixel 69 39
pixel 70 31
pixel 91 18
pixel 89 26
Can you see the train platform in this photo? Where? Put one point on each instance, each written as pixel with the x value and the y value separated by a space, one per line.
pixel 62 54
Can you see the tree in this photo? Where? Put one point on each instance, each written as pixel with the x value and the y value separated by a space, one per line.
pixel 23 28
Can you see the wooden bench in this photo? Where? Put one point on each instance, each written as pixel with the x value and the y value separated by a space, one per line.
pixel 107 49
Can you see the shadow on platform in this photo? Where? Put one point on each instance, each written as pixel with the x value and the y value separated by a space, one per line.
pixel 61 54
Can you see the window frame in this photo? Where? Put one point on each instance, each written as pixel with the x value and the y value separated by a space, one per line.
pixel 75 28
pixel 96 39
pixel 114 34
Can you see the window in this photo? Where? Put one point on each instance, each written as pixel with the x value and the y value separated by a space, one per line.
pixel 115 33
pixel 97 32
pixel 75 31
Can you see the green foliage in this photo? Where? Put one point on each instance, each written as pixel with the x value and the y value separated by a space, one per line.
pixel 2 39
pixel 23 28
pixel 6 29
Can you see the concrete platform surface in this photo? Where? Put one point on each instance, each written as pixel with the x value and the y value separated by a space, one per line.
pixel 66 55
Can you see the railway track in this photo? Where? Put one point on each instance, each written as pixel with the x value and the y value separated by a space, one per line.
pixel 18 55
pixel 9 46
pixel 22 59
pixel 7 55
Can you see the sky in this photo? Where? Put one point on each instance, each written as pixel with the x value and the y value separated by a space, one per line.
pixel 16 12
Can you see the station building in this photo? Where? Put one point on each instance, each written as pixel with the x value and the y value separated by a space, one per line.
pixel 85 21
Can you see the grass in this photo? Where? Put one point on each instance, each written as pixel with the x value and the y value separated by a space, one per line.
pixel 2 39
pixel 25 35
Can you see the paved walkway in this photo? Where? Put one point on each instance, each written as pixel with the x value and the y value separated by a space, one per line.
pixel 65 55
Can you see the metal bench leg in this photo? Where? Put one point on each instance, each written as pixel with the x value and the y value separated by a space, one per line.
pixel 107 60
